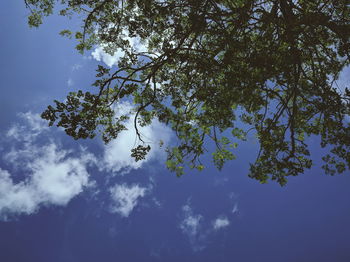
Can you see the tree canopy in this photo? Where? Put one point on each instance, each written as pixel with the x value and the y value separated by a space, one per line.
pixel 215 70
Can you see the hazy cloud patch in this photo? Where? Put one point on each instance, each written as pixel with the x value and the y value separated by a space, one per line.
pixel 125 198
pixel 199 228
pixel 70 82
pixel 221 222
pixel 191 223
pixel 76 67
pixel 191 226
pixel 32 126
pixel 235 208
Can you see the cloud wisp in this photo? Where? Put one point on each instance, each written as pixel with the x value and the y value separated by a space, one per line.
pixel 32 126
pixel 192 226
pixel 191 223
pixel 125 198
pixel 51 177
pixel 199 229
pixel 220 223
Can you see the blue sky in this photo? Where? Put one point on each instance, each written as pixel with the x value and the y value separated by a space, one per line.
pixel 70 201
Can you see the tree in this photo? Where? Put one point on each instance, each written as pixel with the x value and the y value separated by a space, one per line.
pixel 215 70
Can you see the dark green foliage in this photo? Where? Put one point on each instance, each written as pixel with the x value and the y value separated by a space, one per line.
pixel 140 152
pixel 212 67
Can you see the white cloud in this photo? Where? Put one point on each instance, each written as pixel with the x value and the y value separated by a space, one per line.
pixel 49 174
pixel 100 54
pixel 199 230
pixel 125 198
pixel 191 226
pixel 58 178
pixel 344 79
pixel 342 83
pixel 110 60
pixel 33 125
pixel 117 154
pixel 15 198
pixel 191 223
pixel 221 222
pixel 52 178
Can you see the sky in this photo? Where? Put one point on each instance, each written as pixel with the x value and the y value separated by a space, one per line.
pixel 69 201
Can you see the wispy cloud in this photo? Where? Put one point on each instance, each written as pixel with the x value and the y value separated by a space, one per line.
pixel 30 127
pixel 221 222
pixel 76 67
pixel 125 198
pixel 191 223
pixel 199 228
pixel 52 178
pixel 70 82
pixel 191 226
pixel 235 208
